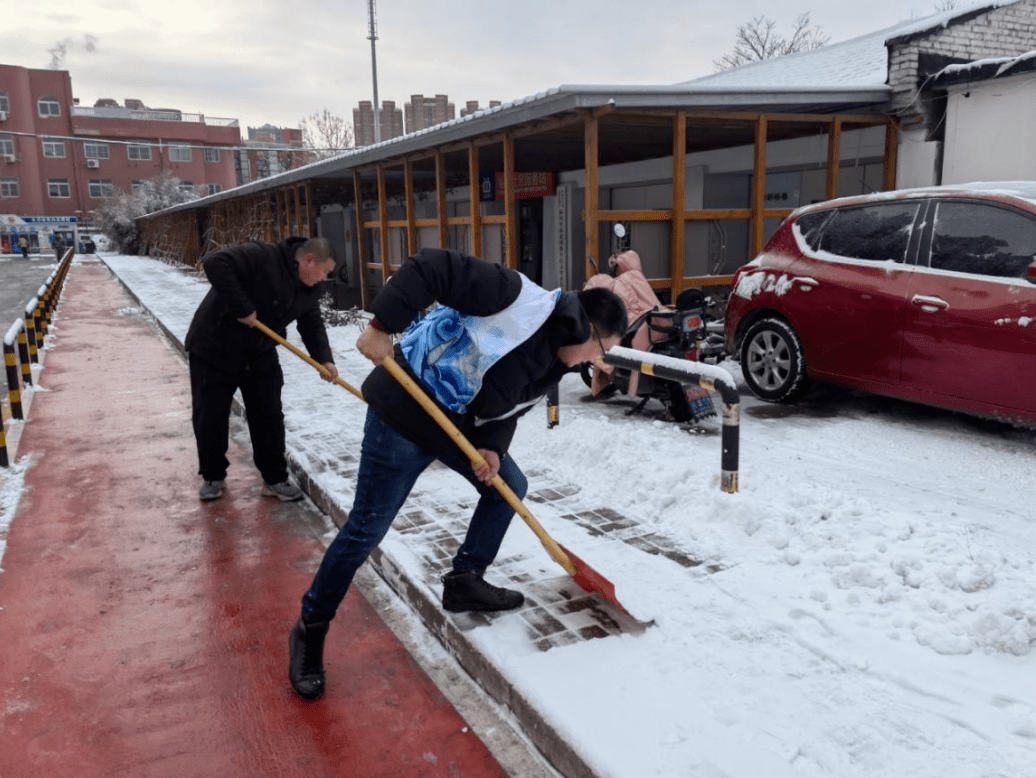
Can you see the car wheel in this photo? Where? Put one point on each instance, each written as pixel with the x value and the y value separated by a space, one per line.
pixel 772 361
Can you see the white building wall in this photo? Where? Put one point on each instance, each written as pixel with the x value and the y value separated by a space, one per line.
pixel 991 131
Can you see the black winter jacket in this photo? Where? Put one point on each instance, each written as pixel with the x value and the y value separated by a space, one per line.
pixel 260 277
pixel 475 287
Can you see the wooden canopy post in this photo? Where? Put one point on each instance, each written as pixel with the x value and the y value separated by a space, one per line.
pixel 510 215
pixel 891 154
pixel 383 224
pixel 361 238
pixel 834 156
pixel 411 219
pixel 440 199
pixel 759 186
pixel 679 239
pixel 475 206
pixel 590 138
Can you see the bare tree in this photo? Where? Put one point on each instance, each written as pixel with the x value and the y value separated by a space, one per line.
pixel 325 134
pixel 758 40
pixel 118 214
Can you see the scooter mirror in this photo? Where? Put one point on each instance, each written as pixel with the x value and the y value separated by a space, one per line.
pixel 619 230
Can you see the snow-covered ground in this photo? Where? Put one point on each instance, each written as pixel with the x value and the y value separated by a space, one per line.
pixel 874 609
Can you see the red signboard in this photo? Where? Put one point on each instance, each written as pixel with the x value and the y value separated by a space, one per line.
pixel 527 185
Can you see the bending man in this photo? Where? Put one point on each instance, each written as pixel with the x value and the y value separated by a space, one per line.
pixel 276 283
pixel 487 354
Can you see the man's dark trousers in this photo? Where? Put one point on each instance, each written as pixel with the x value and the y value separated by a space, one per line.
pixel 212 394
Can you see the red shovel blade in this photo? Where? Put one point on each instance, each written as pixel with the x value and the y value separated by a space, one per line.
pixel 592 581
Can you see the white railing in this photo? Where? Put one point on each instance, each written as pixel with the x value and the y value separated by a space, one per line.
pixel 151 115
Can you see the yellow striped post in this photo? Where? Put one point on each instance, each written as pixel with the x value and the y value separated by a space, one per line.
pixel 14 383
pixel 30 330
pixel 23 354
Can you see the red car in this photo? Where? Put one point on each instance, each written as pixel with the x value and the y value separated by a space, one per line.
pixel 928 295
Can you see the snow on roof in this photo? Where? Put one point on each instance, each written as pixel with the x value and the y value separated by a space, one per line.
pixel 861 61
pixel 994 67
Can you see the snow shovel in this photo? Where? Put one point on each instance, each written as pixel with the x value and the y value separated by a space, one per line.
pixel 304 356
pixel 589 579
pixel 585 576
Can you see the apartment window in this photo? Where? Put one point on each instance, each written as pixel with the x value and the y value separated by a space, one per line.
pixel 9 187
pixel 6 145
pixel 211 155
pixel 214 188
pixel 58 187
pixel 5 103
pixel 187 187
pixel 138 152
pixel 136 186
pixel 179 153
pixel 52 147
pixel 96 150
pixel 101 187
pixel 48 106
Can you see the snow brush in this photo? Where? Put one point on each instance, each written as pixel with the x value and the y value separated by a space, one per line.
pixel 583 574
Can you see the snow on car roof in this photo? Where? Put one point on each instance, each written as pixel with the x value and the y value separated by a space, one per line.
pixel 1019 190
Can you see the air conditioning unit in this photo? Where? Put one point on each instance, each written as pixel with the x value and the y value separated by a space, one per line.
pixel 93 163
pixel 3 116
pixel 9 158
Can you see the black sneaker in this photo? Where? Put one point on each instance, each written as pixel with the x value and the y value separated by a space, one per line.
pixel 306 658
pixel 468 592
pixel 211 490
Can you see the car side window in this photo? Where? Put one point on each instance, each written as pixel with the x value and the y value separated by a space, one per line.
pixel 983 239
pixel 879 232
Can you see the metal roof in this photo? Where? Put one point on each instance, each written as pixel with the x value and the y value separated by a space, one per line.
pixel 549 128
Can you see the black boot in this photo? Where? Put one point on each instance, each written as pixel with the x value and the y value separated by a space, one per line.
pixel 468 592
pixel 306 658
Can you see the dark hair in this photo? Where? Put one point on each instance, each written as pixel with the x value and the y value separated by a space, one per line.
pixel 605 310
pixel 320 248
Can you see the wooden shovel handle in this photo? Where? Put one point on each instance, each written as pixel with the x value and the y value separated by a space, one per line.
pixel 476 458
pixel 305 357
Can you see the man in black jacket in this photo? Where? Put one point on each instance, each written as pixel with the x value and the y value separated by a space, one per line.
pixel 492 349
pixel 276 284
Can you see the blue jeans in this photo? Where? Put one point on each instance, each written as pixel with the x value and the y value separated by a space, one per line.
pixel 389 467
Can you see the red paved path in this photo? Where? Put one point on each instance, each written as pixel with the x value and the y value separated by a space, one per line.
pixel 144 633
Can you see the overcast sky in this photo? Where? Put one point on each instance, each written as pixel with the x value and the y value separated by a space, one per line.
pixel 260 61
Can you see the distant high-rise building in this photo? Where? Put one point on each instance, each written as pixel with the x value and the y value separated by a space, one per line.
pixel 424 112
pixel 391 124
pixel 420 114
pixel 472 106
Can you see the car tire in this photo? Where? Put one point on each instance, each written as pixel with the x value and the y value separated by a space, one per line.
pixel 772 361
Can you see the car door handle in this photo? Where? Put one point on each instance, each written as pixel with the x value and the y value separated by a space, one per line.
pixel 930 304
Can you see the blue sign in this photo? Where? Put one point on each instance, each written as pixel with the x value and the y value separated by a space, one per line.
pixel 49 219
pixel 486 187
